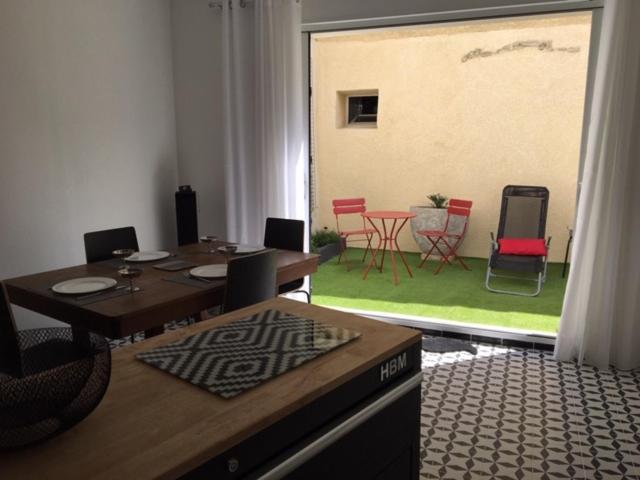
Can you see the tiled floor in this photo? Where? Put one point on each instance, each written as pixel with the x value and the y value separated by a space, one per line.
pixel 508 413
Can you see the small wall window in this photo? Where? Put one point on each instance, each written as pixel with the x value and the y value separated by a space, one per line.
pixel 357 108
pixel 363 109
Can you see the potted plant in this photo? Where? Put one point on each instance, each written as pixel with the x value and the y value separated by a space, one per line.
pixel 438 201
pixel 328 243
pixel 429 217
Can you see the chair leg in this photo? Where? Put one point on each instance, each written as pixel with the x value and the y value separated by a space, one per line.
pixel 426 256
pixel 307 294
pixel 364 257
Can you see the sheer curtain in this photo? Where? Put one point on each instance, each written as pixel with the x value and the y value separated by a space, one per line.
pixel 264 137
pixel 600 322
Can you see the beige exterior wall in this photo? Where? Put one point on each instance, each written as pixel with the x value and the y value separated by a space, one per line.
pixel 461 128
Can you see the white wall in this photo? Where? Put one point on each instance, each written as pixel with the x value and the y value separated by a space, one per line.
pixel 197 58
pixel 87 128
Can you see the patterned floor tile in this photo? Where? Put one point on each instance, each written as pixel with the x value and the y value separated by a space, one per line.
pixel 508 413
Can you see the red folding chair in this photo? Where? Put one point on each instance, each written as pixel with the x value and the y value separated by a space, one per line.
pixel 446 242
pixel 351 206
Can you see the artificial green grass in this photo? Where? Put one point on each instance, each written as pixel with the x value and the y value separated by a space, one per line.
pixel 454 294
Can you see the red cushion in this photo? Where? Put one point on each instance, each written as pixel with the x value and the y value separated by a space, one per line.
pixel 523 246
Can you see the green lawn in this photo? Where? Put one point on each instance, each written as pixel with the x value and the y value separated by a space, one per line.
pixel 454 294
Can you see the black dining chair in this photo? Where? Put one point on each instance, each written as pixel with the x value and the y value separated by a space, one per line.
pixel 250 279
pixel 286 234
pixel 99 245
pixel 50 378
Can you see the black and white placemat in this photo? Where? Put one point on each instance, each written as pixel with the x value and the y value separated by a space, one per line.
pixel 233 358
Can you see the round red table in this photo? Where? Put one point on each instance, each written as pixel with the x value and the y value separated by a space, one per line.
pixel 388 234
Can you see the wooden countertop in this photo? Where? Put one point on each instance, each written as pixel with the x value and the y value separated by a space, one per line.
pixel 152 425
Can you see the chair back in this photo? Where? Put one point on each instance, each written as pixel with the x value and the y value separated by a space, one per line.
pixel 523 213
pixel 284 234
pixel 348 206
pixel 250 279
pixel 99 245
pixel 458 208
pixel 10 355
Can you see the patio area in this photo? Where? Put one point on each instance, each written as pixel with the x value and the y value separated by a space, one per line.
pixel 454 294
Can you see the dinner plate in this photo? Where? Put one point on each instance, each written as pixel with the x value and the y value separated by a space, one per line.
pixel 245 249
pixel 147 256
pixel 218 270
pixel 76 286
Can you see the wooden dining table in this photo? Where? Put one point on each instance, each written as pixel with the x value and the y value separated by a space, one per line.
pixel 163 296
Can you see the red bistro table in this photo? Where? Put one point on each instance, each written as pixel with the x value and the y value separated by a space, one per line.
pixel 388 235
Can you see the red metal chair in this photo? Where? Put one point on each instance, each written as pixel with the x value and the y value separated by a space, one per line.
pixel 446 242
pixel 351 206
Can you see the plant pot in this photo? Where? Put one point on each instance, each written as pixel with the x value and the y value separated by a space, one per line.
pixel 327 252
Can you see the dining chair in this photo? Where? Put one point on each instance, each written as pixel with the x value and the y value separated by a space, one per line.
pixel 250 279
pixel 99 245
pixel 344 207
pixel 286 234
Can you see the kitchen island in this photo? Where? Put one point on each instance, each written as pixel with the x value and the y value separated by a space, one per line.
pixel 353 412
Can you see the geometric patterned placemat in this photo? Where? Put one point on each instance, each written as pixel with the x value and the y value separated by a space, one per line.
pixel 235 357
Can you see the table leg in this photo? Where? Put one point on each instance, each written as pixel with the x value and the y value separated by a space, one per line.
pixel 385 238
pixel 392 240
pixel 153 332
pixel 373 253
pixel 81 338
pixel 566 254
pixel 395 241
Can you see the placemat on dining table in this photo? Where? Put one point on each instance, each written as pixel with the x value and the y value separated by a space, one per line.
pixel 88 298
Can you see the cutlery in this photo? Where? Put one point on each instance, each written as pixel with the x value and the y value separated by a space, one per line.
pixel 198 278
pixel 103 292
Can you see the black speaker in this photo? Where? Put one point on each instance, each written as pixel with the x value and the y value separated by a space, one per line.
pixel 186 215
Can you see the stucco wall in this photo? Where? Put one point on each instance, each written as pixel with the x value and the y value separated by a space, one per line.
pixel 461 128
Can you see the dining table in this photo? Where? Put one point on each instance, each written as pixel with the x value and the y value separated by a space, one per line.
pixel 390 223
pixel 163 295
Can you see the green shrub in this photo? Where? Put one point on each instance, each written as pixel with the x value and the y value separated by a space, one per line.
pixel 323 237
pixel 438 201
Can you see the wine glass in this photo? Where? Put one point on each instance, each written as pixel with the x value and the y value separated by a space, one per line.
pixel 122 254
pixel 229 250
pixel 209 240
pixel 130 273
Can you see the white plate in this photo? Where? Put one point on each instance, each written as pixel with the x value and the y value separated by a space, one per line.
pixel 147 256
pixel 84 285
pixel 245 249
pixel 218 270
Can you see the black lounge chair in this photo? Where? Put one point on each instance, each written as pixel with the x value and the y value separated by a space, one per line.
pixel 520 245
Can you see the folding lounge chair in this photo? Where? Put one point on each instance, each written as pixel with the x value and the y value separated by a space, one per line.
pixel 520 246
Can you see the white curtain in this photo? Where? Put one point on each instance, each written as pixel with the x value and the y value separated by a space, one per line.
pixel 264 129
pixel 600 322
